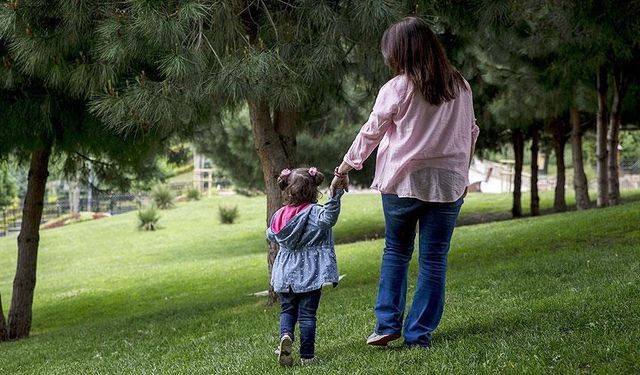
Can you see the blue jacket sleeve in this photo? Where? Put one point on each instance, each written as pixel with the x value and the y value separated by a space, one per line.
pixel 270 236
pixel 328 216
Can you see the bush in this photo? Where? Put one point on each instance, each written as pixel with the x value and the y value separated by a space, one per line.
pixel 148 218
pixel 162 196
pixel 228 214
pixel 193 194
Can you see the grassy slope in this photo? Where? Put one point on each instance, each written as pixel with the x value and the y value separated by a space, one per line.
pixel 556 293
pixel 183 177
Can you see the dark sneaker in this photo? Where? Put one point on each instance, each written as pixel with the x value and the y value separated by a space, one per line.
pixel 284 356
pixel 381 340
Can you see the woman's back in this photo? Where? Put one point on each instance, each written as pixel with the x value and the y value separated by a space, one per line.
pixel 424 150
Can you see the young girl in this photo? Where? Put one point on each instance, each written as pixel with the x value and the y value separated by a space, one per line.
pixel 306 259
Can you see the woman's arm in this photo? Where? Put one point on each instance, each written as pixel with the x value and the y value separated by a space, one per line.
pixel 475 130
pixel 389 99
pixel 372 132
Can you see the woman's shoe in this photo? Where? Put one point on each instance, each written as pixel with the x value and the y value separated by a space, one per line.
pixel 381 340
pixel 284 356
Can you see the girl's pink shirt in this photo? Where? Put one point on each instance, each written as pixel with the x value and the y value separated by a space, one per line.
pixel 284 214
pixel 424 150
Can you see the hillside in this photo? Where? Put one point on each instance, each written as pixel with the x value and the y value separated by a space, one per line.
pixel 556 293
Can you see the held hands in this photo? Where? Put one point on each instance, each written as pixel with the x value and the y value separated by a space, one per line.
pixel 340 179
pixel 339 183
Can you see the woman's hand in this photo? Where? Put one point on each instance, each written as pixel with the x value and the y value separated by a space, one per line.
pixel 339 183
pixel 340 179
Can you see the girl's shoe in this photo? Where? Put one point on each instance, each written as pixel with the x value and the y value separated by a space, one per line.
pixel 284 356
pixel 381 340
pixel 307 361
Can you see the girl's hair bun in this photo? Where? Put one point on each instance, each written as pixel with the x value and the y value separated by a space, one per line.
pixel 318 177
pixel 283 179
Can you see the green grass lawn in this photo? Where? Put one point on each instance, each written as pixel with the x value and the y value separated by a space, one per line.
pixel 182 177
pixel 557 293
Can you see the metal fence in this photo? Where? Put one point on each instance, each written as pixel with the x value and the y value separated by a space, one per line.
pixel 114 204
pixel 630 166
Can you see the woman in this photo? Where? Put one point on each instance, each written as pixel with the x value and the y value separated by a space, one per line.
pixel 424 127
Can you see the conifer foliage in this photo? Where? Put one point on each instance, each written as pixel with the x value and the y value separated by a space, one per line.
pixel 78 70
pixel 46 78
pixel 549 62
pixel 176 63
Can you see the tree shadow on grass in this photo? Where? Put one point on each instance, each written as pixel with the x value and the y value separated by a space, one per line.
pixel 488 217
pixel 376 232
pixel 556 318
pixel 539 324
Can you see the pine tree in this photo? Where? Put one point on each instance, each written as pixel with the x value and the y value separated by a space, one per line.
pixel 493 36
pixel 44 86
pixel 7 189
pixel 597 40
pixel 565 42
pixel 177 63
pixel 324 130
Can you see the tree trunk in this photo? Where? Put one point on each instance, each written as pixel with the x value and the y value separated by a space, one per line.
pixel 546 151
pixel 275 144
pixel 559 140
pixel 25 280
pixel 601 135
pixel 613 136
pixel 4 333
pixel 580 184
pixel 517 138
pixel 535 146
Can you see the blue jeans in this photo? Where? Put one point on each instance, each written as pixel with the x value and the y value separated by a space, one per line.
pixel 436 222
pixel 300 307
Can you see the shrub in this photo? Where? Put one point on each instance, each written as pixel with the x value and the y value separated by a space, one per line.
pixel 148 218
pixel 228 214
pixel 162 196
pixel 193 194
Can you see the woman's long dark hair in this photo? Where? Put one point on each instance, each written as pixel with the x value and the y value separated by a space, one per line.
pixel 410 47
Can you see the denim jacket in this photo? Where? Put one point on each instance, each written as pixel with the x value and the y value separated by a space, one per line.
pixel 307 257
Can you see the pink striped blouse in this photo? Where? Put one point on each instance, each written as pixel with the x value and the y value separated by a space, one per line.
pixel 424 150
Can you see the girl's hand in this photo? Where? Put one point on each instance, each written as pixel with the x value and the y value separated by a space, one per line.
pixel 340 179
pixel 339 183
